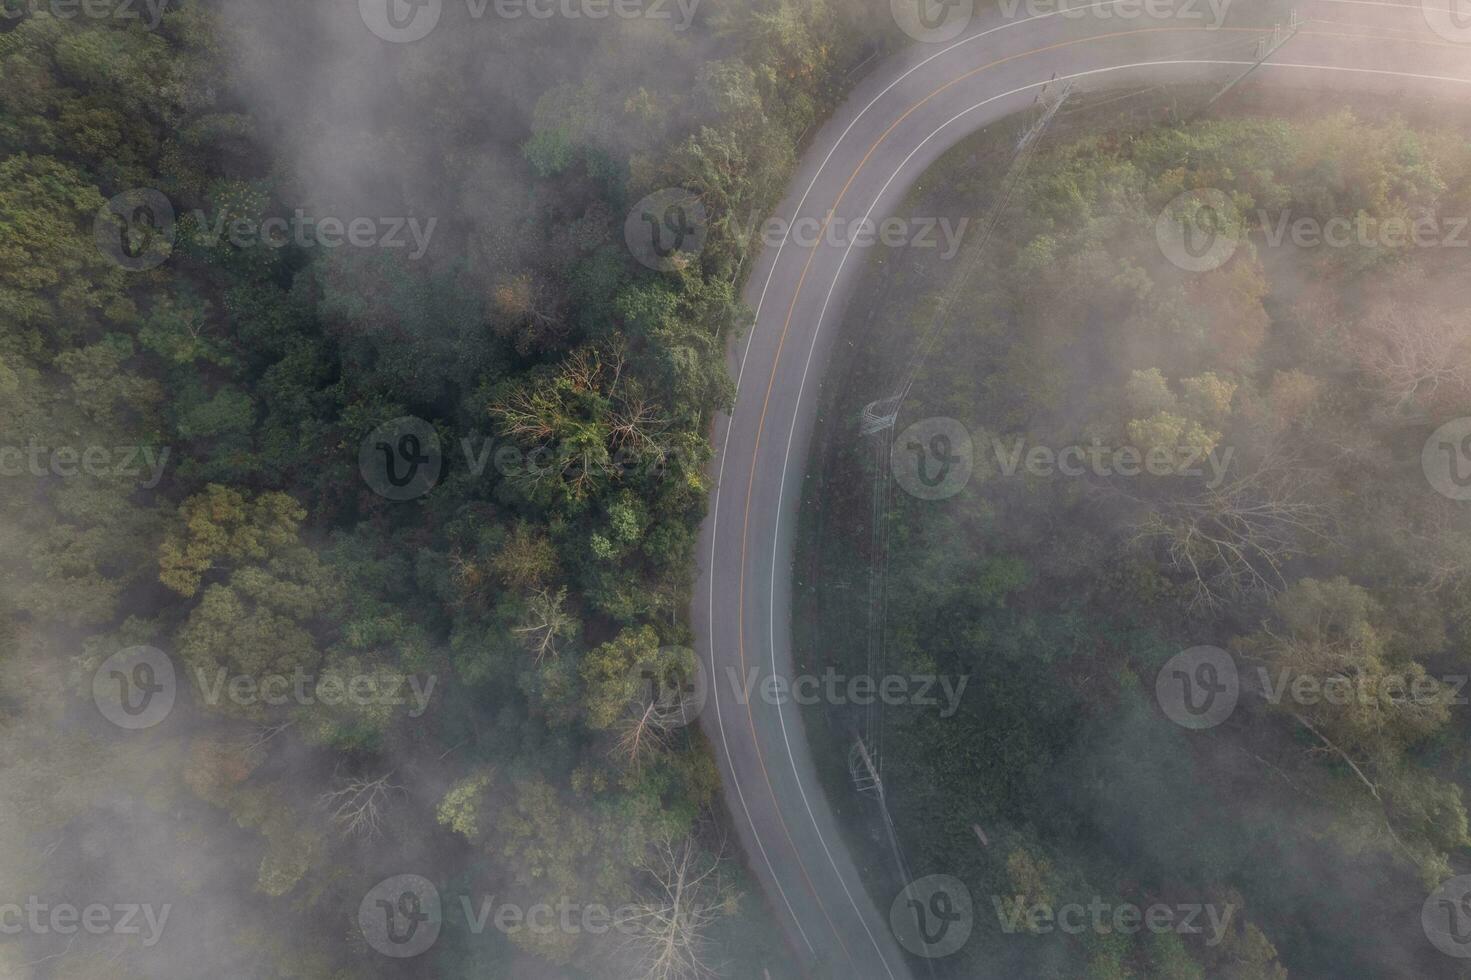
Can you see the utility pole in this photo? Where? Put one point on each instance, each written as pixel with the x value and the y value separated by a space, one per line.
pixel 865 775
pixel 866 778
pixel 880 415
pixel 1265 48
pixel 1050 101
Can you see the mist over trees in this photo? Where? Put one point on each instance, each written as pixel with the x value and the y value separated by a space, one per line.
pixel 491 630
pixel 1319 557
pixel 339 577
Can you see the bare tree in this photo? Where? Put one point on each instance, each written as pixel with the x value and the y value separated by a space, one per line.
pixel 262 735
pixel 528 315
pixel 1234 540
pixel 546 622
pixel 582 434
pixel 1419 360
pixel 683 897
pixel 655 714
pixel 635 422
pixel 467 575
pixel 639 736
pixel 528 413
pixel 646 729
pixel 1440 547
pixel 357 806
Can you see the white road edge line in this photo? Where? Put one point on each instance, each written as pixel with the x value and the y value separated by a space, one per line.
pixel 720 471
pixel 791 431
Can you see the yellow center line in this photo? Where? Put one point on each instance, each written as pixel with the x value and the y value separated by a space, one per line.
pixel 761 426
pixel 781 345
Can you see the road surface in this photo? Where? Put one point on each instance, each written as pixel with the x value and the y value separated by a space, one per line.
pixel 895 124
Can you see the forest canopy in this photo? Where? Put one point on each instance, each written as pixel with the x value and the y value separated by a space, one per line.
pixel 237 243
pixel 1302 527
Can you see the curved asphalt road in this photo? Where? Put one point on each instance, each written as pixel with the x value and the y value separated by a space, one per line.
pixel 896 123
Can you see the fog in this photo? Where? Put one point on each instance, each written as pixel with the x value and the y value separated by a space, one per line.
pixel 494 160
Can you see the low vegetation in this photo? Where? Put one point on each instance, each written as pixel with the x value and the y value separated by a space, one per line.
pixel 1319 551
